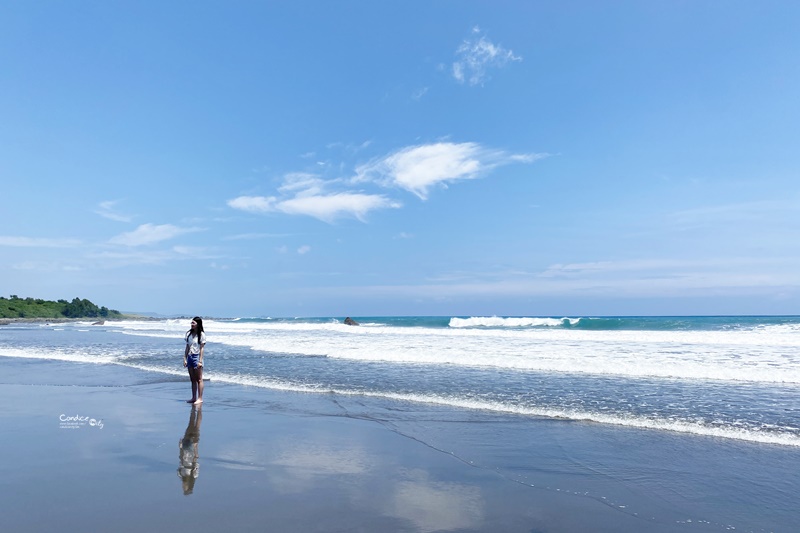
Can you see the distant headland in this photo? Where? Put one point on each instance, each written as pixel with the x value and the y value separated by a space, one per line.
pixel 15 308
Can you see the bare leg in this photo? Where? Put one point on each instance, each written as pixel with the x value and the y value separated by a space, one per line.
pixel 198 372
pixel 193 377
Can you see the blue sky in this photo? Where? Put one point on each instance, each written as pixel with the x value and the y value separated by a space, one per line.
pixel 325 158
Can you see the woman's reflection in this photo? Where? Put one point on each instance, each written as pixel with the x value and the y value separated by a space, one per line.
pixel 187 450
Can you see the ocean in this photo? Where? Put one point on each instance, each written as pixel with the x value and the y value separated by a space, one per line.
pixel 734 378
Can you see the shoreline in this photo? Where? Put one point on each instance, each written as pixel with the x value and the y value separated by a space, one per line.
pixel 245 459
pixel 64 320
pixel 37 320
pixel 324 462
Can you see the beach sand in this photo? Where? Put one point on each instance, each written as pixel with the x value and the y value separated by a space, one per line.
pixel 132 456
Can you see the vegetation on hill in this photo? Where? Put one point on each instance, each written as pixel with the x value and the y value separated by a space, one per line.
pixel 16 307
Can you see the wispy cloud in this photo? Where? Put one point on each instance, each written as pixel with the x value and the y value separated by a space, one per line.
pixel 254 204
pixel 560 270
pixel 304 249
pixel 665 277
pixel 327 208
pixel 34 242
pixel 148 256
pixel 645 278
pixel 332 206
pixel 349 146
pixel 302 181
pixel 253 236
pixel 418 168
pixel 304 193
pixel 150 234
pixel 744 211
pixel 45 266
pixel 414 168
pixel 476 56
pixel 107 210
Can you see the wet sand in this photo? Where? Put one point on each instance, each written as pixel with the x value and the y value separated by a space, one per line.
pixel 132 456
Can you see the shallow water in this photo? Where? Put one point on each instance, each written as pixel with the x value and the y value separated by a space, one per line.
pixel 730 377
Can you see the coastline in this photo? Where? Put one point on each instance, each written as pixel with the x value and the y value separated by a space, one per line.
pixel 38 320
pixel 323 462
pixel 286 462
pixel 65 320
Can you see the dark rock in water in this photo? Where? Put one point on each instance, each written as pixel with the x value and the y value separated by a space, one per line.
pixel 99 323
pixel 350 322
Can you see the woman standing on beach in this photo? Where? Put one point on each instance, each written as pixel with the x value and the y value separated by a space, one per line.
pixel 193 358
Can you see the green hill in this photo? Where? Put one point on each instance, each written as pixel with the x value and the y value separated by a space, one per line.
pixel 16 307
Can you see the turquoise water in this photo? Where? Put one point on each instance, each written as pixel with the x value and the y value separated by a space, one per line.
pixel 644 323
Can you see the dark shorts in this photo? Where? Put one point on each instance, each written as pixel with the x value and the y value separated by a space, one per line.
pixel 193 360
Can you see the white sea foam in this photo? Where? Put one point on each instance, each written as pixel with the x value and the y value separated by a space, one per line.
pixel 779 438
pixel 767 355
pixel 784 439
pixel 494 321
pixel 634 422
pixel 58 355
pixel 779 435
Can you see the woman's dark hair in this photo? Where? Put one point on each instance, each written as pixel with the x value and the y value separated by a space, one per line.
pixel 199 329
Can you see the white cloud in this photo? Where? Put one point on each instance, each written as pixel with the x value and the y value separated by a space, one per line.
pixel 253 236
pixel 527 158
pixel 745 211
pixel 304 249
pixel 33 242
pixel 417 168
pixel 419 93
pixel 302 181
pixel 310 198
pixel 194 251
pixel 106 210
pixel 253 204
pixel 150 234
pixel 476 55
pixel 359 147
pixel 332 206
pixel 110 259
pixel 148 256
pixel 766 278
pixel 44 266
pixel 348 147
pixel 414 168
